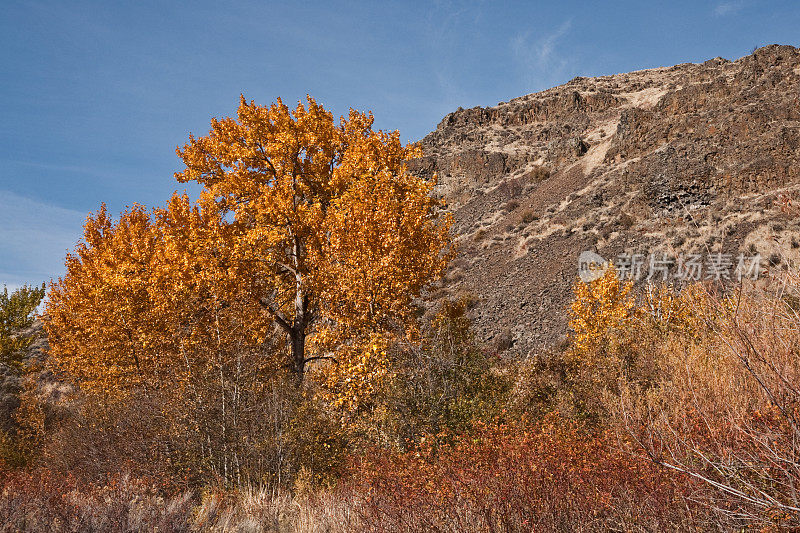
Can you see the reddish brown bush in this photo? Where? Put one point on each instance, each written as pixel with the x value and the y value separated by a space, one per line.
pixel 40 501
pixel 542 477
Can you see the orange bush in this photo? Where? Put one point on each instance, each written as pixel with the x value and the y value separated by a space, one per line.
pixel 550 475
pixel 725 408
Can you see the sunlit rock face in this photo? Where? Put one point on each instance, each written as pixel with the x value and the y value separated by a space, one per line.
pixel 690 159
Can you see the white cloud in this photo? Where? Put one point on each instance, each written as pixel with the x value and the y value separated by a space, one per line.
pixel 539 57
pixel 445 25
pixel 34 239
pixel 728 8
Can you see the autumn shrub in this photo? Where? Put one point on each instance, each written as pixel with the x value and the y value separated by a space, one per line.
pixel 616 342
pixel 626 221
pixel 703 379
pixel 725 407
pixel 539 385
pixel 504 340
pixel 38 501
pixel 103 435
pixel 550 476
pixel 537 175
pixel 12 451
pixel 601 353
pixel 528 217
pixel 611 350
pixel 317 446
pixel 270 439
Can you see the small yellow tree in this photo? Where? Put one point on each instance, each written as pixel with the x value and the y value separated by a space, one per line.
pixel 601 309
pixel 599 353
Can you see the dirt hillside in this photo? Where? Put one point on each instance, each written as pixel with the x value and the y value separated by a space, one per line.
pixel 695 158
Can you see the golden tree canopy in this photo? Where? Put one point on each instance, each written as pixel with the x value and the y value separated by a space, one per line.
pixel 328 228
pixel 303 224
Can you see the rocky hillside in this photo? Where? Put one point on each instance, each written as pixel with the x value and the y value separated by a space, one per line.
pixel 695 158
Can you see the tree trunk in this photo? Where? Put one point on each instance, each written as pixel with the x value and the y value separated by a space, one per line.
pixel 298 339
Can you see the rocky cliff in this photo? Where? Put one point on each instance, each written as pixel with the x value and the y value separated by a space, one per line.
pixel 695 158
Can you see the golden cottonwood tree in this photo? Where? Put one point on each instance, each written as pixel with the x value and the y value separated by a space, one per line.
pixel 99 316
pixel 309 241
pixel 325 226
pixel 309 225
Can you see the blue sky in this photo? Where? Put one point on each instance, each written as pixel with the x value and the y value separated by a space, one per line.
pixel 95 96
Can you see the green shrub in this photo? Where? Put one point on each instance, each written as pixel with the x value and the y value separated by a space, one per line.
pixel 17 313
pixel 448 382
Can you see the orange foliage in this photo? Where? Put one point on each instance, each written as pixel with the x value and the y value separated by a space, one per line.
pixel 146 300
pixel 308 244
pixel 601 308
pixel 314 228
pixel 547 476
pixel 328 230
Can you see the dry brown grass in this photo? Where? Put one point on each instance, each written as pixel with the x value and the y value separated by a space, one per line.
pixel 41 502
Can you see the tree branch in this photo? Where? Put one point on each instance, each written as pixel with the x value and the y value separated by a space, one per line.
pixel 277 315
pixel 321 357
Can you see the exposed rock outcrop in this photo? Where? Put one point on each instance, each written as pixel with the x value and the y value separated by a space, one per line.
pixel 690 158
